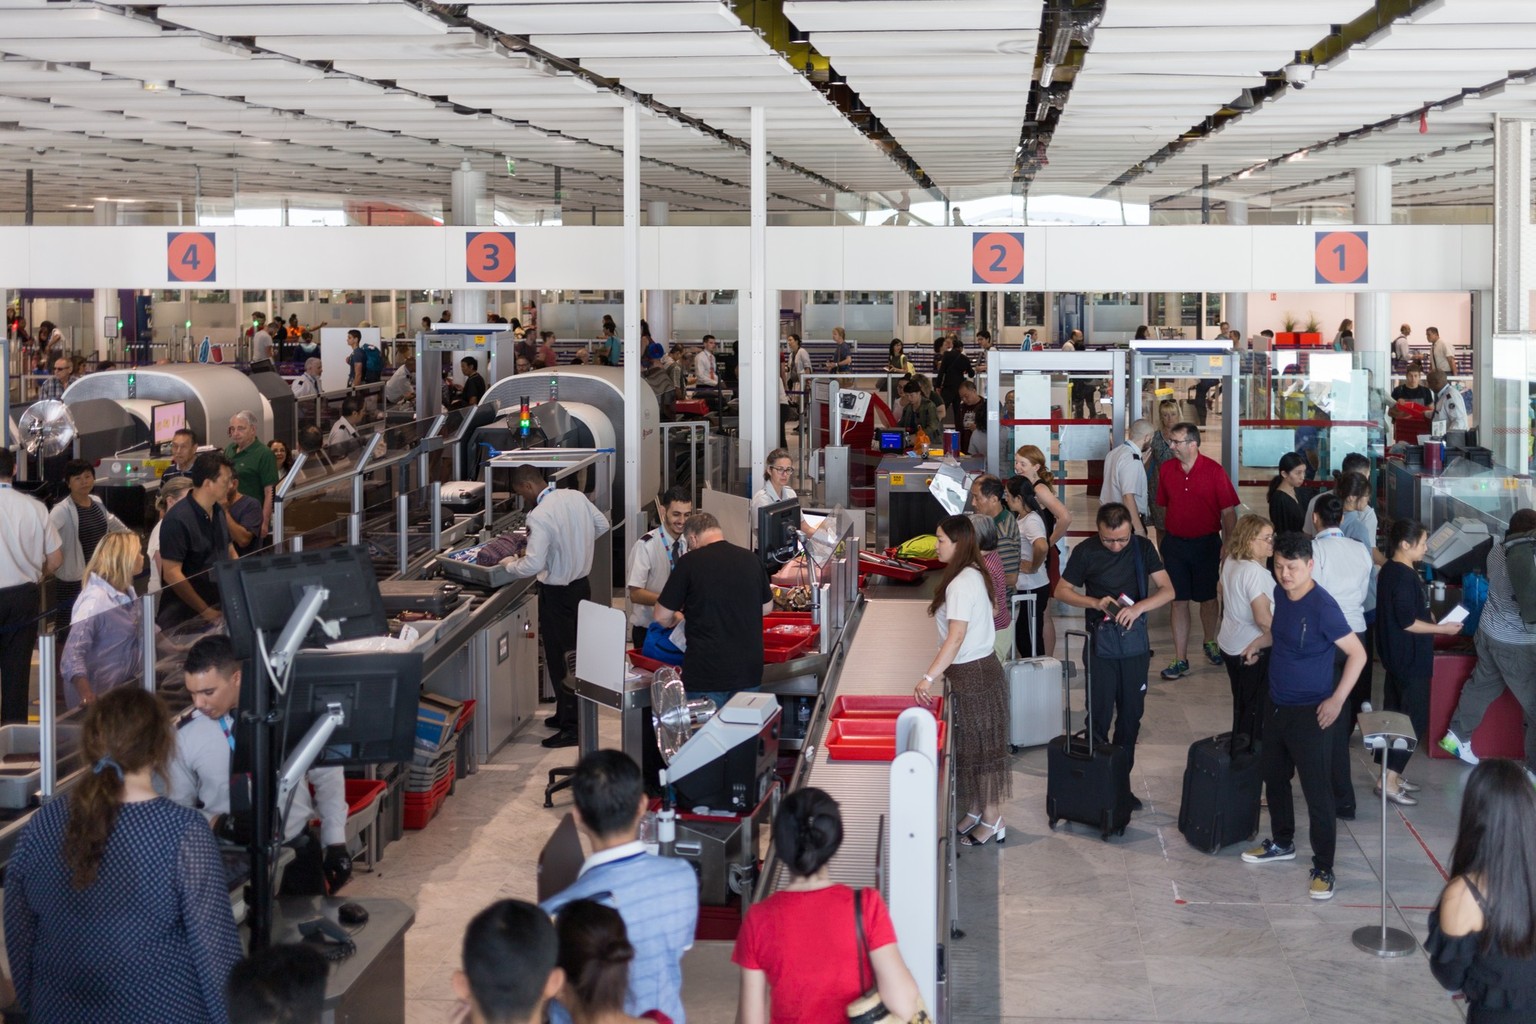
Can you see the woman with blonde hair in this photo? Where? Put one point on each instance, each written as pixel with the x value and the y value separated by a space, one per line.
pixel 103 650
pixel 1247 606
pixel 171 491
pixel 1160 452
pixel 1030 463
pixel 116 905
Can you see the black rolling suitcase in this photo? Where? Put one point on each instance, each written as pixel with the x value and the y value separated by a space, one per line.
pixel 1086 782
pixel 1222 783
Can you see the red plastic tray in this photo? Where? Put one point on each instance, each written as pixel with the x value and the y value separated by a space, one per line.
pixel 895 568
pixel 645 664
pixel 362 792
pixel 692 406
pixel 778 647
pixel 787 619
pixel 865 739
pixel 466 712
pixel 867 706
pixel 926 563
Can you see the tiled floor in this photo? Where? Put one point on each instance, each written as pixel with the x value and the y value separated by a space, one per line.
pixel 1058 926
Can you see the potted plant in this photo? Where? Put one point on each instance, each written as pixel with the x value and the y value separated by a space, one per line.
pixel 1287 336
pixel 1311 332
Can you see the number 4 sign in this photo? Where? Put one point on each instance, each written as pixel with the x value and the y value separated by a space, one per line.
pixel 997 257
pixel 191 257
pixel 1342 257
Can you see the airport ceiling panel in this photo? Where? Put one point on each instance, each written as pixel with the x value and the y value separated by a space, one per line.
pixel 901 56
pixel 1191 56
pixel 1363 108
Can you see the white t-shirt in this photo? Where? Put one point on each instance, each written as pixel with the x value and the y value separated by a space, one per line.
pixel 969 600
pixel 1242 580
pixel 1031 529
pixel 1343 568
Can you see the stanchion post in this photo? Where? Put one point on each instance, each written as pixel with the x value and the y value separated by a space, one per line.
pixel 1386 731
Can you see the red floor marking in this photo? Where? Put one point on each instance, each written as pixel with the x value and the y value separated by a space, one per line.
pixel 1425 846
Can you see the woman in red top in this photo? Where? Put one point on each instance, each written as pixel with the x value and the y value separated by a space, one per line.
pixel 799 949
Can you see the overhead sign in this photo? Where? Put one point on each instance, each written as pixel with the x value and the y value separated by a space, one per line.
pixel 997 257
pixel 490 257
pixel 191 257
pixel 1342 257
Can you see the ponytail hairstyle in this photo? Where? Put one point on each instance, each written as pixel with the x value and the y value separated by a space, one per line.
pixel 967 556
pixel 126 730
pixel 1352 486
pixel 1035 455
pixel 1403 533
pixel 595 954
pixel 1288 462
pixel 807 830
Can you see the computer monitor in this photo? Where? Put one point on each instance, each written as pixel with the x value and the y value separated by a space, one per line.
pixel 892 442
pixel 778 533
pixel 261 592
pixel 165 420
pixel 380 696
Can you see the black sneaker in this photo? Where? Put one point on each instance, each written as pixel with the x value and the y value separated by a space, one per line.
pixel 561 739
pixel 1135 802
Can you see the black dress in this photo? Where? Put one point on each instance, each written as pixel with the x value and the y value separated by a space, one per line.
pixel 1285 512
pixel 1407 657
pixel 1499 989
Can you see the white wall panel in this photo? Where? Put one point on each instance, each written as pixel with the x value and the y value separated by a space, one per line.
pixel 694 257
pixel 806 259
pixel 334 257
pixel 1150 259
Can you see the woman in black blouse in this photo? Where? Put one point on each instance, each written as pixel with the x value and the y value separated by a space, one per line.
pixel 1482 935
pixel 1405 638
pixel 1285 509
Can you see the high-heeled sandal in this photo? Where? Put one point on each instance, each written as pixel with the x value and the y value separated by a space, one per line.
pixel 967 823
pixel 999 832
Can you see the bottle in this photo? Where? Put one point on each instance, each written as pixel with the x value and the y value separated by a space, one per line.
pixel 803 717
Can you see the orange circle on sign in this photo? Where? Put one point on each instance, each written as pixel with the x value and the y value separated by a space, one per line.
pixel 190 256
pixel 1342 257
pixel 490 257
pixel 997 257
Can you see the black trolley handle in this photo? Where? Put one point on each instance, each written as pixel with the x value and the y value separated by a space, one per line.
pixel 1067 669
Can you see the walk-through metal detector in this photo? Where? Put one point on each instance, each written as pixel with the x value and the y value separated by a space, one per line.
pixel 1181 360
pixel 1030 420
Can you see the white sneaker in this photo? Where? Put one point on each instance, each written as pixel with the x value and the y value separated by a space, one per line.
pixel 1457 747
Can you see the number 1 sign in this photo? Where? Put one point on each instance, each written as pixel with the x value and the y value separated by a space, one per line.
pixel 997 257
pixel 1342 257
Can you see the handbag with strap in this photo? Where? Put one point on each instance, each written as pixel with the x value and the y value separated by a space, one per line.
pixel 1112 640
pixel 869 1008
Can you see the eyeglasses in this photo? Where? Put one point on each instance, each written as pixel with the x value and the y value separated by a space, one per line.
pixel 1265 538
pixel 1183 440
pixel 781 469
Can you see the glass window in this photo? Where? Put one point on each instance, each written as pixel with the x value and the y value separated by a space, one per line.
pixel 921 309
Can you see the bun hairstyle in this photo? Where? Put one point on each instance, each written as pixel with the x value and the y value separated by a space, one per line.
pixel 808 830
pixel 126 730
pixel 595 954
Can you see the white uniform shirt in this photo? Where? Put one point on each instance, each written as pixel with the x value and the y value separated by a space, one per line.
pixel 561 531
pixel 1442 357
pixel 1125 478
pixel 306 386
pixel 398 386
pixel 199 777
pixel 650 565
pixel 341 432
pixel 1343 568
pixel 704 371
pixel 28 539
pixel 1450 406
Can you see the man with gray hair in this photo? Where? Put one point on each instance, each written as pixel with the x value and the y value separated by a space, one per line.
pixel 308 384
pixel 255 465
pixel 1125 476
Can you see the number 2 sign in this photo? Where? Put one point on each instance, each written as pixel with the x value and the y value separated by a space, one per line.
pixel 191 257
pixel 1342 257
pixel 490 257
pixel 997 257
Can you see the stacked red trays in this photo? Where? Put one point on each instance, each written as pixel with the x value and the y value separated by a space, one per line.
pixel 895 568
pixel 466 713
pixel 788 635
pixel 926 563
pixel 863 728
pixel 421 808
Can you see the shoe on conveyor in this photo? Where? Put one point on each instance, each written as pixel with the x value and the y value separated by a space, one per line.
pixel 1457 747
pixel 1267 851
pixel 1176 670
pixel 1213 652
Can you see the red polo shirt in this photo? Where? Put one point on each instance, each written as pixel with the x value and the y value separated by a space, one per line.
pixel 1196 499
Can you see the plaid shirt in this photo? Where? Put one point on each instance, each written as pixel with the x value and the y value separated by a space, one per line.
pixel 52 388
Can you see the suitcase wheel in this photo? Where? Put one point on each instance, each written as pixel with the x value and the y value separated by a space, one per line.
pixel 1053 822
pixel 1013 748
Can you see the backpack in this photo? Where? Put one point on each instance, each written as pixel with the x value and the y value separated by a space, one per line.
pixel 373 364
pixel 1520 561
pixel 922 546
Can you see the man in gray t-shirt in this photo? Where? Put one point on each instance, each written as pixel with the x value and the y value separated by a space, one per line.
pixel 1506 656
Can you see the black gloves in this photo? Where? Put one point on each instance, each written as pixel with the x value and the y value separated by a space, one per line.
pixel 337 867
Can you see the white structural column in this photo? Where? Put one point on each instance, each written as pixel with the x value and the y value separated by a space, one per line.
pixel 1504 363
pixel 658 304
pixel 1235 305
pixel 1374 330
pixel 761 354
pixel 103 300
pixel 633 423
pixel 468 190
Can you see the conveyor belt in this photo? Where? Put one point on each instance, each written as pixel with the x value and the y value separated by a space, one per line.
pixel 893 641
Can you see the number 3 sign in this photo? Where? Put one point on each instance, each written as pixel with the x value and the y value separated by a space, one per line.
pixel 490 257
pixel 1342 257
pixel 997 257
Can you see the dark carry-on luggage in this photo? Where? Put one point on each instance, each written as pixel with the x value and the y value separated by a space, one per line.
pixel 1222 781
pixel 1086 782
